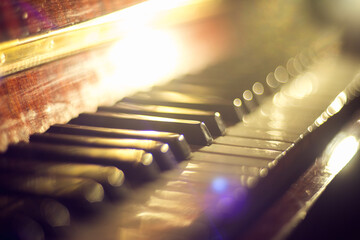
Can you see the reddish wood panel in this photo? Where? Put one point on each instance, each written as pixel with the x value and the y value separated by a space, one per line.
pixel 32 100
pixel 21 18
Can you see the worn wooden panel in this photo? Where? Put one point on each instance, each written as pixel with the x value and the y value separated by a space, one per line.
pixel 21 18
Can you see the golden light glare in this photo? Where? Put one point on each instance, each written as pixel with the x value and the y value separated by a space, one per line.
pixel 303 86
pixel 150 12
pixel 337 104
pixel 146 13
pixel 342 153
pixel 147 49
pixel 141 59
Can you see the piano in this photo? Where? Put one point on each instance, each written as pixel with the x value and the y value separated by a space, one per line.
pixel 189 119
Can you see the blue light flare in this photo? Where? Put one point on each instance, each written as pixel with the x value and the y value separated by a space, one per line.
pixel 219 185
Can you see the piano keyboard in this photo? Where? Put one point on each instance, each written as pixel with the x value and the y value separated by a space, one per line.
pixel 197 158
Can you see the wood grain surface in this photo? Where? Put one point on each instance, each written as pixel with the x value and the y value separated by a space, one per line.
pixel 21 18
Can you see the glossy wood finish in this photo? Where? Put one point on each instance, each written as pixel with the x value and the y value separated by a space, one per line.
pixel 21 18
pixel 291 209
pixel 31 100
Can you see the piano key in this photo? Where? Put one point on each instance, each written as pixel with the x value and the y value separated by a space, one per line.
pixel 155 221
pixel 288 126
pixel 281 74
pixel 212 120
pixel 168 205
pixel 53 216
pixel 204 168
pixel 160 151
pixel 272 83
pixel 230 110
pixel 209 188
pixel 223 168
pixel 281 115
pixel 249 100
pixel 129 215
pixel 241 151
pixel 112 179
pixel 291 128
pixel 229 159
pixel 282 99
pixel 203 185
pixel 306 57
pixel 172 195
pixel 226 81
pixel 205 178
pixel 294 66
pixel 201 89
pixel 255 133
pixel 222 91
pixel 20 227
pixel 227 92
pixel 196 175
pixel 177 142
pixel 250 142
pixel 234 173
pixel 74 192
pixel 194 131
pixel 271 111
pixel 260 91
pixel 137 165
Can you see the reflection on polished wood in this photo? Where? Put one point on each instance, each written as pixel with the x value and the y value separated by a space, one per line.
pixel 292 207
pixel 20 54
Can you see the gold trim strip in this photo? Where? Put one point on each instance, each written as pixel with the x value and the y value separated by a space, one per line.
pixel 21 54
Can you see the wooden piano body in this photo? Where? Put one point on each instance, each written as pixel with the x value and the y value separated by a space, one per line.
pixel 61 58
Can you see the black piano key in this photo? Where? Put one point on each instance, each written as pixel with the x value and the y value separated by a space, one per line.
pixel 260 91
pixel 231 111
pixel 194 131
pixel 274 80
pixel 259 153
pixel 220 168
pixel 177 142
pixel 272 83
pixel 228 92
pixel 20 227
pixel 137 165
pixel 52 215
pixel 111 178
pixel 213 81
pixel 255 143
pixel 282 75
pixel 230 159
pixel 249 100
pixel 264 134
pixel 212 120
pixel 200 177
pixel 294 66
pixel 201 89
pixel 74 192
pixel 160 151
pixel 211 85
